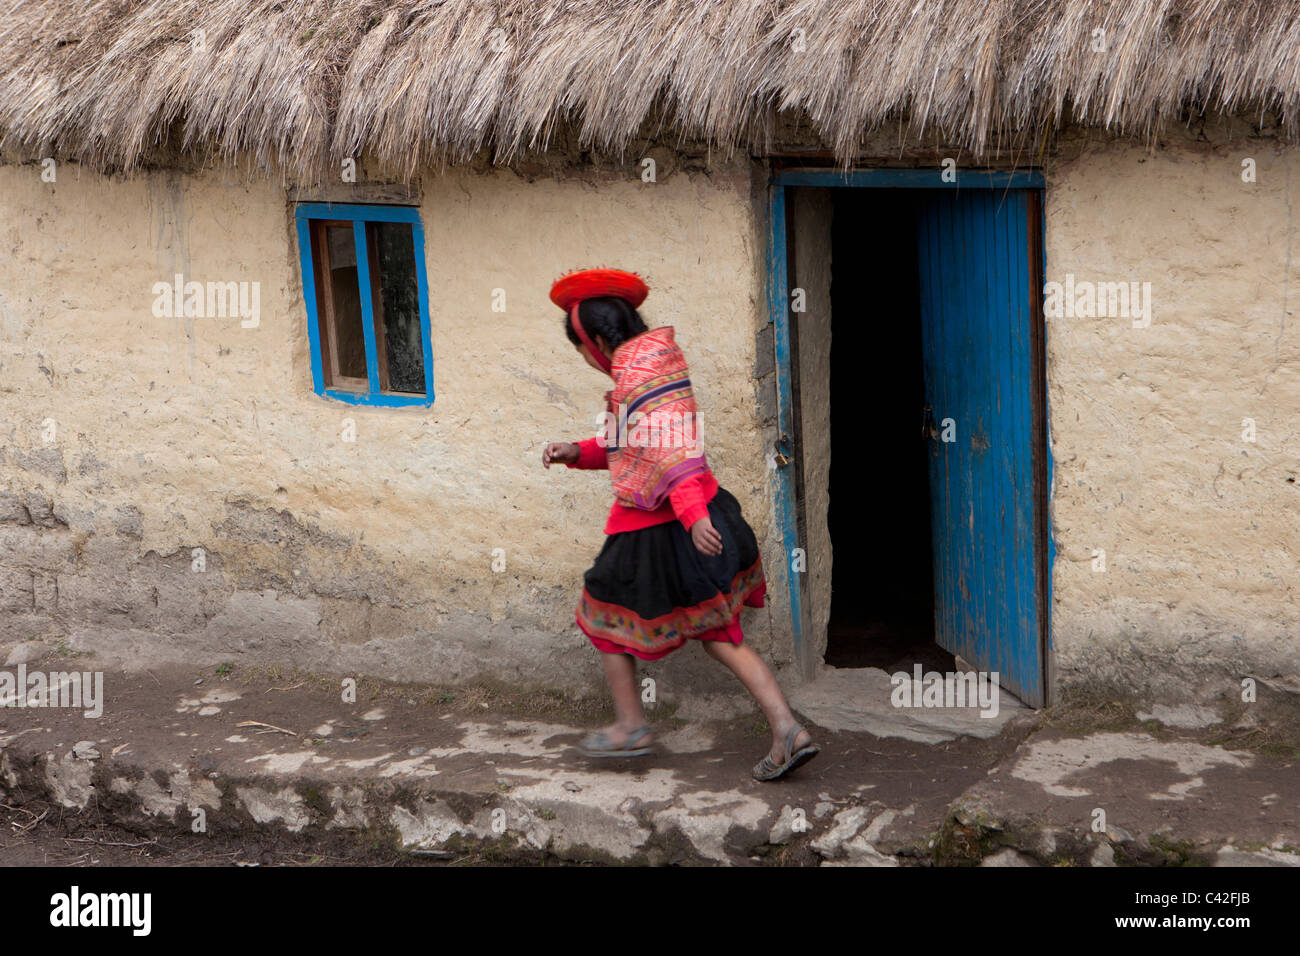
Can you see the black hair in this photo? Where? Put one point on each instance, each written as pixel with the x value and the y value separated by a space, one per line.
pixel 612 318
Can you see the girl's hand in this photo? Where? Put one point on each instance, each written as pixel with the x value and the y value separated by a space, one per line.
pixel 706 537
pixel 564 452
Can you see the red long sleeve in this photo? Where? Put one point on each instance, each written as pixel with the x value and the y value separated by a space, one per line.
pixel 591 455
pixel 690 499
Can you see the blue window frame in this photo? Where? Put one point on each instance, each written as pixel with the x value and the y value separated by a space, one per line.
pixel 367 303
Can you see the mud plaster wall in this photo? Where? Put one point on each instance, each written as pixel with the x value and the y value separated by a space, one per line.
pixel 813 211
pixel 372 556
pixel 1199 527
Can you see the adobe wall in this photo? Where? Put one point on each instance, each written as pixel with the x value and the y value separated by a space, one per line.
pixel 1153 462
pixel 130 440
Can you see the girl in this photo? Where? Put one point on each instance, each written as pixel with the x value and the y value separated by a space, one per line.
pixel 679 559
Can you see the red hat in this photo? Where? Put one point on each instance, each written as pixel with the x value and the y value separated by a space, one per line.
pixel 573 287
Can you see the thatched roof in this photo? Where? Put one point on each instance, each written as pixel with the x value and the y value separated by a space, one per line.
pixel 407 82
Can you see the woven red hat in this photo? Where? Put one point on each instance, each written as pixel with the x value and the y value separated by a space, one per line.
pixel 592 283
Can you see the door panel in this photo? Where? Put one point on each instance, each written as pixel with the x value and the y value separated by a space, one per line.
pixel 979 351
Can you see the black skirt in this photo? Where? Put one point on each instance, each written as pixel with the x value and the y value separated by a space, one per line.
pixel 652 590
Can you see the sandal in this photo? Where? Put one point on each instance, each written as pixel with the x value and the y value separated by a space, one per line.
pixel 766 770
pixel 599 745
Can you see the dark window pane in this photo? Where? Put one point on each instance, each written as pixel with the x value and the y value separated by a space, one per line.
pixel 349 339
pixel 400 296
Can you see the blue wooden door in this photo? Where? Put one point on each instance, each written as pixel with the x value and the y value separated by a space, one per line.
pixel 980 346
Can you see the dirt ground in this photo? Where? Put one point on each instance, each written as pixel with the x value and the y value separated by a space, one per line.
pixel 141 719
pixel 499 745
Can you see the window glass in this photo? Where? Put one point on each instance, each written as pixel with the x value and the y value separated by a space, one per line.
pixel 350 341
pixel 400 298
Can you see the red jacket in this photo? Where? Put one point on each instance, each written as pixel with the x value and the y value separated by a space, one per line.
pixel 688 502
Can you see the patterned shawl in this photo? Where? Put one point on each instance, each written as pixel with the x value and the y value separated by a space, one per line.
pixel 652 431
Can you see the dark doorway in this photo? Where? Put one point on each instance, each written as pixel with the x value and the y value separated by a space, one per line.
pixel 882 583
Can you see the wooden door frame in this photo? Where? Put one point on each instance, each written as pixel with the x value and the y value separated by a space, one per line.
pixel 789 499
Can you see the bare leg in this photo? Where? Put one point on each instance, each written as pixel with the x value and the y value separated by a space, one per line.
pixel 750 669
pixel 620 673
